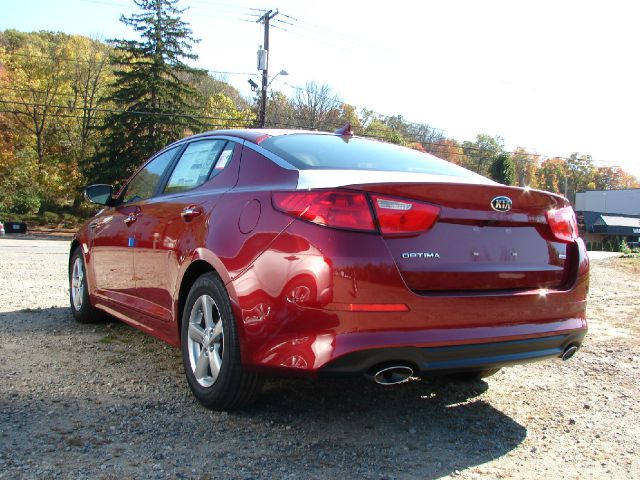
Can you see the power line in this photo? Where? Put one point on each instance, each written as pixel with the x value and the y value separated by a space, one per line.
pixel 217 5
pixel 104 2
pixel 72 107
pixel 334 33
pixel 302 35
pixel 223 14
pixel 385 132
pixel 279 20
pixel 68 59
pixel 229 122
pixel 109 110
pixel 233 73
pixel 372 133
pixel 57 58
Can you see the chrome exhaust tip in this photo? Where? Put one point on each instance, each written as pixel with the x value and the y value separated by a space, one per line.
pixel 390 375
pixel 569 352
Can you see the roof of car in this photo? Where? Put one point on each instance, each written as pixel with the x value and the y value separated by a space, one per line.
pixel 254 135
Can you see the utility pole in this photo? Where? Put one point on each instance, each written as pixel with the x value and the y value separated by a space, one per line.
pixel 265 71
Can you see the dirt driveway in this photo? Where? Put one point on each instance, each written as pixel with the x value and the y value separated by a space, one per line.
pixel 105 401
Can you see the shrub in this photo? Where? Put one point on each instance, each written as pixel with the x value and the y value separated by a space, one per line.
pixel 50 217
pixel 69 218
pixel 25 202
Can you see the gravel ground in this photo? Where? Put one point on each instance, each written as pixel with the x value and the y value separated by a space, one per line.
pixel 106 401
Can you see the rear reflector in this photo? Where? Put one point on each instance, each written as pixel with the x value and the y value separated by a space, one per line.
pixel 404 217
pixel 332 208
pixel 563 224
pixel 367 307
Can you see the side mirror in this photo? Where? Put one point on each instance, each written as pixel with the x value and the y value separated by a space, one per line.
pixel 100 194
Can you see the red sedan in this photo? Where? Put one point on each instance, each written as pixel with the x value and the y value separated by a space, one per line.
pixel 291 252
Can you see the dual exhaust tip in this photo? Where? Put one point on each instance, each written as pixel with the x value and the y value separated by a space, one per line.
pixel 569 352
pixel 390 374
pixel 393 374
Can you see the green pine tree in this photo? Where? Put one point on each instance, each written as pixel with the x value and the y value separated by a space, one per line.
pixel 152 105
pixel 503 170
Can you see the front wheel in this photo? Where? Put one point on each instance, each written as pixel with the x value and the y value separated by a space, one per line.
pixel 211 349
pixel 81 307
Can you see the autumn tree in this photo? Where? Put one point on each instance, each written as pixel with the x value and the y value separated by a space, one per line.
pixel 19 193
pixel 482 153
pixel 525 167
pixel 221 112
pixel 580 175
pixel 613 178
pixel 208 86
pixel 89 75
pixel 316 106
pixel 414 132
pixel 349 114
pixel 626 180
pixel 34 82
pixel 380 127
pixel 552 175
pixel 153 105
pixel 448 149
pixel 503 170
pixel 53 85
pixel 280 111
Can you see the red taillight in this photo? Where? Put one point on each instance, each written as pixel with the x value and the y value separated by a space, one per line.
pixel 563 224
pixel 402 216
pixel 332 208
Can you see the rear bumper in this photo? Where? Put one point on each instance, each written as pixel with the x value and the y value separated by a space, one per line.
pixel 479 356
pixel 282 334
pixel 427 350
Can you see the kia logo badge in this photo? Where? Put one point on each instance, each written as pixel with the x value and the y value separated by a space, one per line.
pixel 501 204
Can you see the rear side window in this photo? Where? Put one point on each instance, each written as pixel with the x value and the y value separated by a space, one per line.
pixel 144 184
pixel 312 151
pixel 198 163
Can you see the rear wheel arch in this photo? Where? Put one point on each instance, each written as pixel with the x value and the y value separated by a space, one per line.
pixel 211 348
pixel 193 272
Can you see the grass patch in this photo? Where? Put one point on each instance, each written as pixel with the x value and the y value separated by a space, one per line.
pixel 111 338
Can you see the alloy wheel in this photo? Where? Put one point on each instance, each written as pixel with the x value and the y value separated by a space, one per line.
pixel 206 340
pixel 77 284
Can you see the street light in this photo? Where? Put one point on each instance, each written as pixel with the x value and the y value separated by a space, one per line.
pixel 281 72
pixel 263 97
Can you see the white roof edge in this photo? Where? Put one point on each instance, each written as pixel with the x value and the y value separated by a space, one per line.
pixel 341 178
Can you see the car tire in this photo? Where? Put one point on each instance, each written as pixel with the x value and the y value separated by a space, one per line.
pixel 81 307
pixel 474 375
pixel 211 349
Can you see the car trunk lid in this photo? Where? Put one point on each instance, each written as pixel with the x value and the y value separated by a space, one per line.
pixel 472 246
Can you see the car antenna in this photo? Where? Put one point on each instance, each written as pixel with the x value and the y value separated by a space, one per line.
pixel 345 131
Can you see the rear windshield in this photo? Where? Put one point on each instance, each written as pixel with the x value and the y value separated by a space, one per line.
pixel 313 152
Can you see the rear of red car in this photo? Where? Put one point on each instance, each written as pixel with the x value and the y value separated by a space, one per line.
pixel 443 273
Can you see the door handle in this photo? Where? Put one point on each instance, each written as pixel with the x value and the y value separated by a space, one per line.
pixel 131 218
pixel 190 212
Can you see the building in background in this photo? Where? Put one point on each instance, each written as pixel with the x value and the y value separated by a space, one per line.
pixel 608 217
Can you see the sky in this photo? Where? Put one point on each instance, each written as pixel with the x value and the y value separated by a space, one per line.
pixel 555 77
